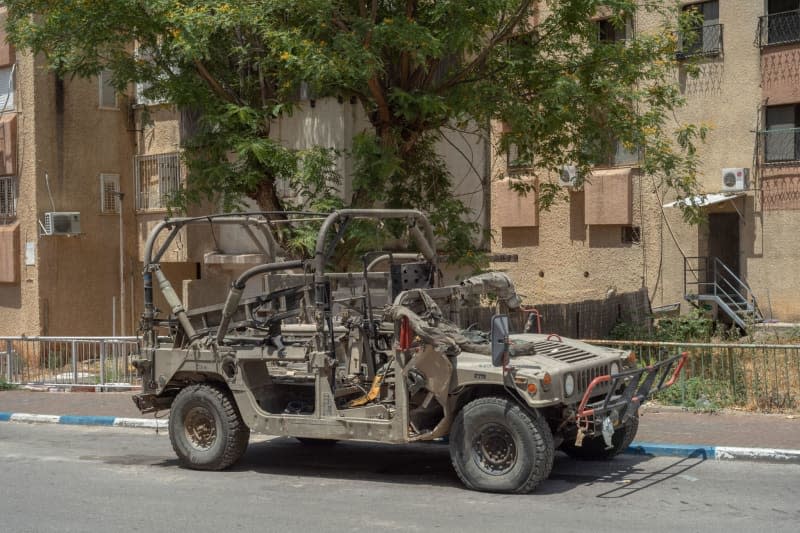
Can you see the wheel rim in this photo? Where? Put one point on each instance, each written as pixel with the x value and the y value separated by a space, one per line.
pixel 494 450
pixel 200 428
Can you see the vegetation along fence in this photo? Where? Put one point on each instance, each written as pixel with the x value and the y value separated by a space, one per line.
pixel 765 377
pixel 68 361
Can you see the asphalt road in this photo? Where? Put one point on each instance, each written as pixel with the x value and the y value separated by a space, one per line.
pixel 70 478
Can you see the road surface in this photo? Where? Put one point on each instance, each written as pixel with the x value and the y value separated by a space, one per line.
pixel 71 478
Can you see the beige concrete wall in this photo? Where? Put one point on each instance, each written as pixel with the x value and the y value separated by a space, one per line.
pixel 76 142
pixel 19 302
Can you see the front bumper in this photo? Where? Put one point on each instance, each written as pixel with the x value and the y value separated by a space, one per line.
pixel 626 392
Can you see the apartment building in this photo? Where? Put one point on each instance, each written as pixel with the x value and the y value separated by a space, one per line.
pixel 86 172
pixel 617 235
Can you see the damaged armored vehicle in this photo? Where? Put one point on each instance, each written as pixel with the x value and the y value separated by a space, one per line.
pixel 376 354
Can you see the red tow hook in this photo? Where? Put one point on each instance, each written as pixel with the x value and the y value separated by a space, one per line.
pixel 674 378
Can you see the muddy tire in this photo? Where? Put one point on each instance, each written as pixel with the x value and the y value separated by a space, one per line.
pixel 497 446
pixel 594 448
pixel 205 428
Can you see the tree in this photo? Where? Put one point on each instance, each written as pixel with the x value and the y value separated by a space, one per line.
pixel 417 67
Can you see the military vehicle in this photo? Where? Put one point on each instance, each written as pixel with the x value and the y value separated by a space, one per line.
pixel 377 355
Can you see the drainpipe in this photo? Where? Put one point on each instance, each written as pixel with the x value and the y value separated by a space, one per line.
pixel 120 195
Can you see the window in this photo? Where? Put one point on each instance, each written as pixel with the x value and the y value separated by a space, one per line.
pixel 109 187
pixel 6 88
pixel 8 199
pixel 632 234
pixel 142 88
pixel 706 37
pixel 518 160
pixel 781 24
pixel 158 179
pixel 609 32
pixel 107 92
pixel 782 135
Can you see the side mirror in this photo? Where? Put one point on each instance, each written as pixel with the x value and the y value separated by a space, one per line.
pixel 499 339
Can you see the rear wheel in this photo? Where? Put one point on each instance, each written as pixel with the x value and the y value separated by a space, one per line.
pixel 497 446
pixel 205 428
pixel 594 448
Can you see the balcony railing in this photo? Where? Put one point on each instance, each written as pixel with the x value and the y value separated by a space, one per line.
pixel 8 199
pixel 158 179
pixel 779 28
pixel 781 145
pixel 704 40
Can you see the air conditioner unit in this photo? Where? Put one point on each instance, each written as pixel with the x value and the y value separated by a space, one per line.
pixel 734 179
pixel 62 223
pixel 569 176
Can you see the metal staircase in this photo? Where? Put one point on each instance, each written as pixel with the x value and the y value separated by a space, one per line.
pixel 708 279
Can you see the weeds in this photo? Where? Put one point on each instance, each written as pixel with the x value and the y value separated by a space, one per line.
pixel 5 385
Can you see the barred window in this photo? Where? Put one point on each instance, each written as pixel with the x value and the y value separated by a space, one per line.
pixel 158 179
pixel 109 186
pixel 8 199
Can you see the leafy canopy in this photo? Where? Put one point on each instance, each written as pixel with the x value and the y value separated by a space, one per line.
pixel 419 68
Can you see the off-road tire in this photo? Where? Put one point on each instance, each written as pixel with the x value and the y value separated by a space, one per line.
pixel 308 441
pixel 594 448
pixel 205 428
pixel 524 450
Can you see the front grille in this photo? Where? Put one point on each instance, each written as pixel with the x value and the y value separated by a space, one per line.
pixel 562 352
pixel 584 377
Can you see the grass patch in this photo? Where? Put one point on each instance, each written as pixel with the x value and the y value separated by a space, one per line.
pixel 5 385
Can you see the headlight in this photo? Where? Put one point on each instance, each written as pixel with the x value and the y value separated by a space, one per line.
pixel 614 368
pixel 569 385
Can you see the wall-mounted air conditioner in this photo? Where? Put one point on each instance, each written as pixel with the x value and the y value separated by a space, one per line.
pixel 62 223
pixel 569 176
pixel 734 179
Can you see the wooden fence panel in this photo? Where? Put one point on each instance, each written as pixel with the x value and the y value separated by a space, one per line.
pixel 590 319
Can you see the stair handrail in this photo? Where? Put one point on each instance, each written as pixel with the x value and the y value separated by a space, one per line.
pixel 750 297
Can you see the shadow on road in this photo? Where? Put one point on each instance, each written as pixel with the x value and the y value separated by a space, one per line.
pixel 429 464
pixel 624 476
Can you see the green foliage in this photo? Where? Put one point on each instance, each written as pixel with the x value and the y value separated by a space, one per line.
pixel 5 385
pixel 417 69
pixel 703 394
pixel 694 327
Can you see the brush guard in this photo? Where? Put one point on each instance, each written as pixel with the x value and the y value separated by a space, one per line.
pixel 617 408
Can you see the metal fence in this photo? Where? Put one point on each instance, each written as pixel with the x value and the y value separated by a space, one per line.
pixel 765 377
pixel 779 28
pixel 68 361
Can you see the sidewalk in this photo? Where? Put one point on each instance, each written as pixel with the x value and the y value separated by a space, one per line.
pixel 667 426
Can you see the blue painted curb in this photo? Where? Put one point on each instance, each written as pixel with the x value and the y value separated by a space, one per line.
pixel 672 450
pixel 5 417
pixel 87 420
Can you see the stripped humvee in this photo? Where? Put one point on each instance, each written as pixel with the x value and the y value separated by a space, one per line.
pixel 376 355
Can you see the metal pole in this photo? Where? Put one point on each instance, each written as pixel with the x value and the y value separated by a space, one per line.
pixel 9 347
pixel 121 268
pixel 74 362
pixel 102 362
pixel 113 316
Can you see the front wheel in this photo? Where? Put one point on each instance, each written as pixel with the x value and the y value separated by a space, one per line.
pixel 205 428
pixel 594 448
pixel 497 446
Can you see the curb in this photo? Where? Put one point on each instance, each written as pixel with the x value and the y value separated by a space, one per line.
pixel 718 453
pixel 112 421
pixel 692 451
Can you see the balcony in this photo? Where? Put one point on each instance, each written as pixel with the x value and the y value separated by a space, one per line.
pixel 158 179
pixel 779 28
pixel 8 199
pixel 704 40
pixel 781 146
